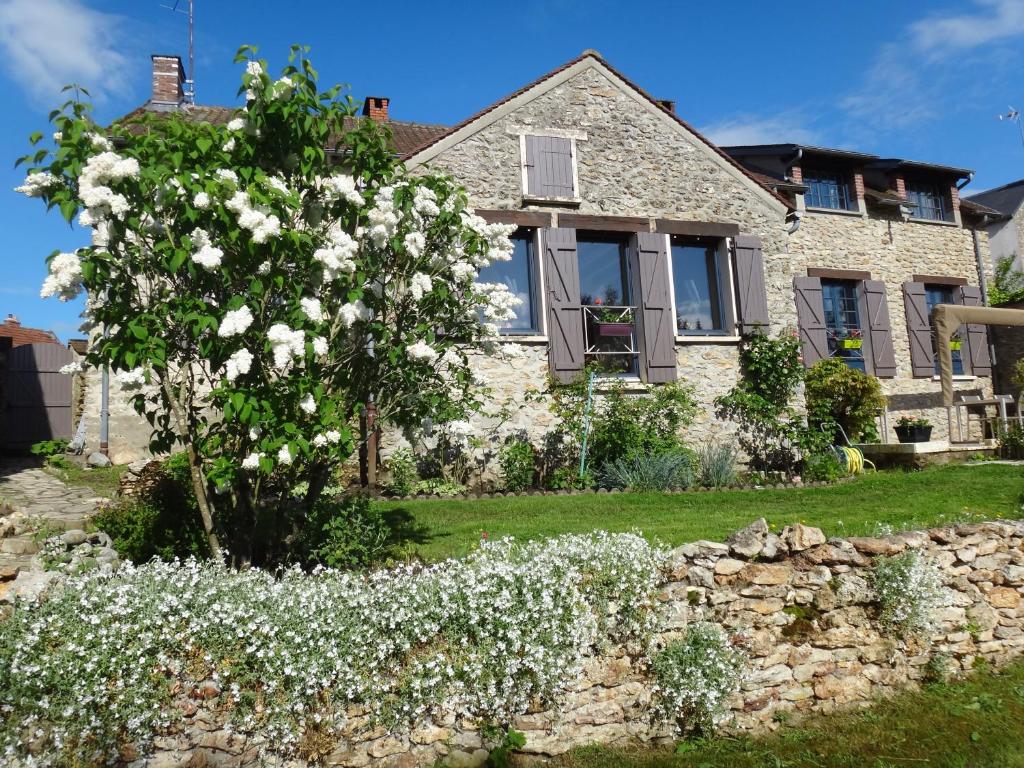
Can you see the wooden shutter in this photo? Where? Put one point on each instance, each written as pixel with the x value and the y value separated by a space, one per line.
pixel 883 356
pixel 919 330
pixel 976 335
pixel 655 326
pixel 752 299
pixel 810 316
pixel 549 167
pixel 565 314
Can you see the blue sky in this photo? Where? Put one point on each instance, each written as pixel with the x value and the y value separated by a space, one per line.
pixel 919 80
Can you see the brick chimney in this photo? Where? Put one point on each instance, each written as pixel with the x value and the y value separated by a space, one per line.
pixel 12 321
pixel 168 81
pixel 376 108
pixel 667 104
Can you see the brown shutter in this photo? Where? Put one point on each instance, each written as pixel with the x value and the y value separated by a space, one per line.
pixel 810 316
pixel 655 326
pixel 549 166
pixel 919 330
pixel 726 291
pixel 752 299
pixel 976 336
pixel 883 357
pixel 565 314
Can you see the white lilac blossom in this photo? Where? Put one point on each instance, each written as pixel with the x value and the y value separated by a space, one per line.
pixel 239 364
pixel 65 278
pixel 421 352
pixel 308 404
pixel 131 381
pixel 277 184
pixel 420 284
pixel 337 255
pixel 38 184
pixel 286 344
pixel 425 202
pixel 501 303
pixel 93 184
pixel 284 456
pixel 311 308
pixel 349 314
pixel 490 634
pixel 201 200
pixel 252 461
pixel 319 441
pixel 342 187
pixel 415 242
pixel 320 346
pixel 229 145
pixel 99 141
pixel 254 68
pixel 236 124
pixel 226 175
pixel 206 255
pixel 71 368
pixel 263 268
pixel 333 436
pixel 263 225
pixel 382 218
pixel 235 322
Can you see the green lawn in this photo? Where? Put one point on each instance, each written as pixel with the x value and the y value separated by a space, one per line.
pixel 439 528
pixel 103 481
pixel 972 724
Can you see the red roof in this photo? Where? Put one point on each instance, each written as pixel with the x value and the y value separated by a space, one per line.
pixel 12 328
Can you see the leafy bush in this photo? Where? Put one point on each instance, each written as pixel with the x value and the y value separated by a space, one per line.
pixel 840 395
pixel 653 472
pixel 402 466
pixel 824 465
pixel 568 478
pixel 161 521
pixel 96 666
pixel 438 486
pixel 47 448
pixel 1008 284
pixel 716 464
pixel 1010 441
pixel 517 459
pixel 910 589
pixel 696 675
pixel 346 532
pixel 771 432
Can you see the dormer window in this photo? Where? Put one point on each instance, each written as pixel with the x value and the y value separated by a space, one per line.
pixel 827 189
pixel 549 169
pixel 930 201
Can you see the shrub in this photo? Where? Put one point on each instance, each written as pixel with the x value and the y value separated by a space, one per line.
pixel 716 464
pixel 1010 441
pixel 909 588
pixel 162 520
pixel 96 666
pixel 517 459
pixel 654 472
pixel 1008 284
pixel 402 466
pixel 696 675
pixel 824 465
pixel 48 448
pixel 771 432
pixel 347 533
pixel 840 395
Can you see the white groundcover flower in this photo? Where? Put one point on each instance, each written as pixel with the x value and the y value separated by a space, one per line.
pixel 421 352
pixel 239 364
pixel 235 322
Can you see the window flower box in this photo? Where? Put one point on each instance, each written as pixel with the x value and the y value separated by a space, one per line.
pixel 851 343
pixel 910 430
pixel 956 345
pixel 614 329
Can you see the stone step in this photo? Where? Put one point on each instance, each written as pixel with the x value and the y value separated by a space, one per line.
pixel 19 545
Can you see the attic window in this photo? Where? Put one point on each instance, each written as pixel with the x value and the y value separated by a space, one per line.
pixel 931 200
pixel 826 189
pixel 549 169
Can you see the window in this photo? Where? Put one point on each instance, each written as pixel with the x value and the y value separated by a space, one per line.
pixel 697 286
pixel 943 294
pixel 842 322
pixel 606 294
pixel 549 167
pixel 931 202
pixel 520 275
pixel 826 190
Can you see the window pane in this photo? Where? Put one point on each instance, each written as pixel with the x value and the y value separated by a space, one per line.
pixel 943 294
pixel 696 285
pixel 517 274
pixel 826 190
pixel 604 276
pixel 842 322
pixel 930 200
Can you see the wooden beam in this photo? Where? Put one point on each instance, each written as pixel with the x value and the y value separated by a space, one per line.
pixel 696 228
pixel 520 218
pixel 940 280
pixel 838 274
pixel 604 223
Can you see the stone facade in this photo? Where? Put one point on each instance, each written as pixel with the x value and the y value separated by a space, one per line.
pixel 800 607
pixel 893 250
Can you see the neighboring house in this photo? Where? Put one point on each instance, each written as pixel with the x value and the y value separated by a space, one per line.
pixel 1006 230
pixel 12 329
pixel 644 248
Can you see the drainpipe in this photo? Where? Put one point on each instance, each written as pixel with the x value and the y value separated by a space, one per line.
pixel 105 412
pixel 965 182
pixel 983 283
pixel 794 225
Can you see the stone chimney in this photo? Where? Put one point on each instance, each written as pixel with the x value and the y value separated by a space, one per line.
pixel 376 108
pixel 668 105
pixel 12 321
pixel 168 81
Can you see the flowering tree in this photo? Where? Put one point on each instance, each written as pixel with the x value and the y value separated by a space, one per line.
pixel 258 284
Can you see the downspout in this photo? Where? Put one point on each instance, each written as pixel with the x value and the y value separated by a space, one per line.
pixel 970 177
pixel 983 283
pixel 795 223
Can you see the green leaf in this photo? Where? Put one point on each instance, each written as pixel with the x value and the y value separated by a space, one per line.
pixel 204 144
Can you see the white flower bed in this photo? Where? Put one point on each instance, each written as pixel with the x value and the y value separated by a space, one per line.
pixel 910 591
pixel 99 663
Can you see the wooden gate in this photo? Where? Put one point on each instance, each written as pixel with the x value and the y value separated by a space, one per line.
pixel 38 398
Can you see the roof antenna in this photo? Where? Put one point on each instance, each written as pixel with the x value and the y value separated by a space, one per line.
pixel 190 80
pixel 1014 117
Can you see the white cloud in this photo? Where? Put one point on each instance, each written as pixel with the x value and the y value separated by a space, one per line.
pixel 761 129
pixel 50 43
pixel 946 35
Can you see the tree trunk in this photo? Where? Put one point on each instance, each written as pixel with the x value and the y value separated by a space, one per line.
pixel 203 500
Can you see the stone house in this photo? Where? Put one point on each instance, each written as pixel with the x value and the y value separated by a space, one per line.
pixel 1005 231
pixel 647 250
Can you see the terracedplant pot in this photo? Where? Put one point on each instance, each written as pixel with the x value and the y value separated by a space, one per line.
pixel 914 434
pixel 851 343
pixel 956 344
pixel 615 329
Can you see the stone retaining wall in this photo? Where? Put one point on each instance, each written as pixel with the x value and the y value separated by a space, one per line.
pixel 801 607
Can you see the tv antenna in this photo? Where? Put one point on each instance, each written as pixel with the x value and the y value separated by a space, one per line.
pixel 190 78
pixel 1014 117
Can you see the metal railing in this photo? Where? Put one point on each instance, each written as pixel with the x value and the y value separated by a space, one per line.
pixel 609 330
